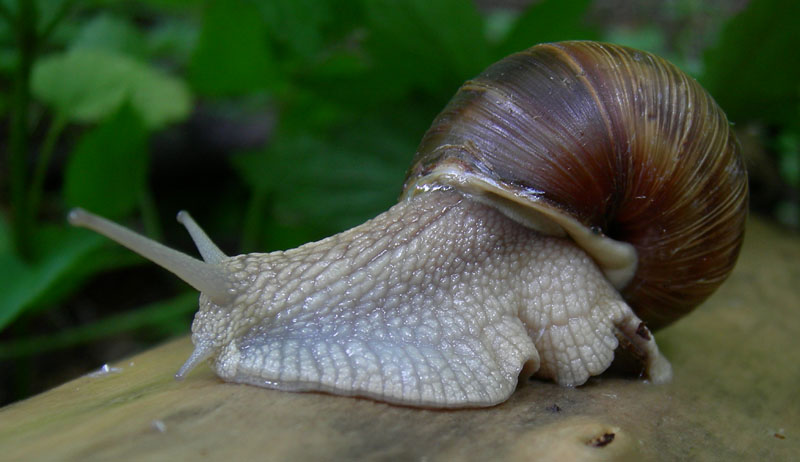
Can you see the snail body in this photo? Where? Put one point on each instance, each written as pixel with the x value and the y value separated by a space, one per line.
pixel 567 199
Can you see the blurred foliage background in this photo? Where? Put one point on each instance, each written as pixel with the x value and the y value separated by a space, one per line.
pixel 276 122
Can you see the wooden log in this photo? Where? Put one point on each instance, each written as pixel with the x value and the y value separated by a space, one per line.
pixel 735 397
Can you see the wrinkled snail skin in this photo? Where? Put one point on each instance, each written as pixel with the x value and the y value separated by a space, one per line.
pixel 533 238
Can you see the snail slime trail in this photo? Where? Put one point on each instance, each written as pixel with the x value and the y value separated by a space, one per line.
pixel 568 199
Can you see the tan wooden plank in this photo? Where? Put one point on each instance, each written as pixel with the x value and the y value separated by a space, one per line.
pixel 735 396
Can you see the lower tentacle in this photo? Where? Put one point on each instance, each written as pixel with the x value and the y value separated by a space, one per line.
pixel 635 337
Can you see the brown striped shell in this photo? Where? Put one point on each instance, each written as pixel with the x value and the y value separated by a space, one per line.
pixel 616 148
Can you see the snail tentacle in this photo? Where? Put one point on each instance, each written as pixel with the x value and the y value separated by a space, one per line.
pixel 210 252
pixel 208 278
pixel 202 351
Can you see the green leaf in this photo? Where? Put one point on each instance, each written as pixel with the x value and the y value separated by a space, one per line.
pixel 24 284
pixel 19 283
pixel 89 85
pixel 754 70
pixel 330 183
pixel 789 157
pixel 296 23
pixel 307 27
pixel 111 33
pixel 232 56
pixel 317 187
pixel 173 39
pixel 549 21
pixel 430 44
pixel 106 172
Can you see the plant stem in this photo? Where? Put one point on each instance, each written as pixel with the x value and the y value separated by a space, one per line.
pixel 19 130
pixel 42 162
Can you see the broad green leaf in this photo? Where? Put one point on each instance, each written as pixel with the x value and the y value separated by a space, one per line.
pixel 430 44
pixel 789 157
pixel 334 182
pixel 317 185
pixel 754 70
pixel 232 55
pixel 111 33
pixel 24 284
pixel 106 172
pixel 307 27
pixel 89 85
pixel 173 39
pixel 297 23
pixel 18 286
pixel 549 21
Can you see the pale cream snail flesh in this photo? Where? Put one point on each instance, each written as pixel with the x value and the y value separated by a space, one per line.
pixel 567 200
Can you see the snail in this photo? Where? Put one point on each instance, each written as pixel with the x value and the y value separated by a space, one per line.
pixel 568 200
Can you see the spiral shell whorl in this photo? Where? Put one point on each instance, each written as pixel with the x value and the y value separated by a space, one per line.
pixel 617 139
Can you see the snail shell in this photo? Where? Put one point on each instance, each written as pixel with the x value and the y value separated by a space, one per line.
pixel 613 146
pixel 557 182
